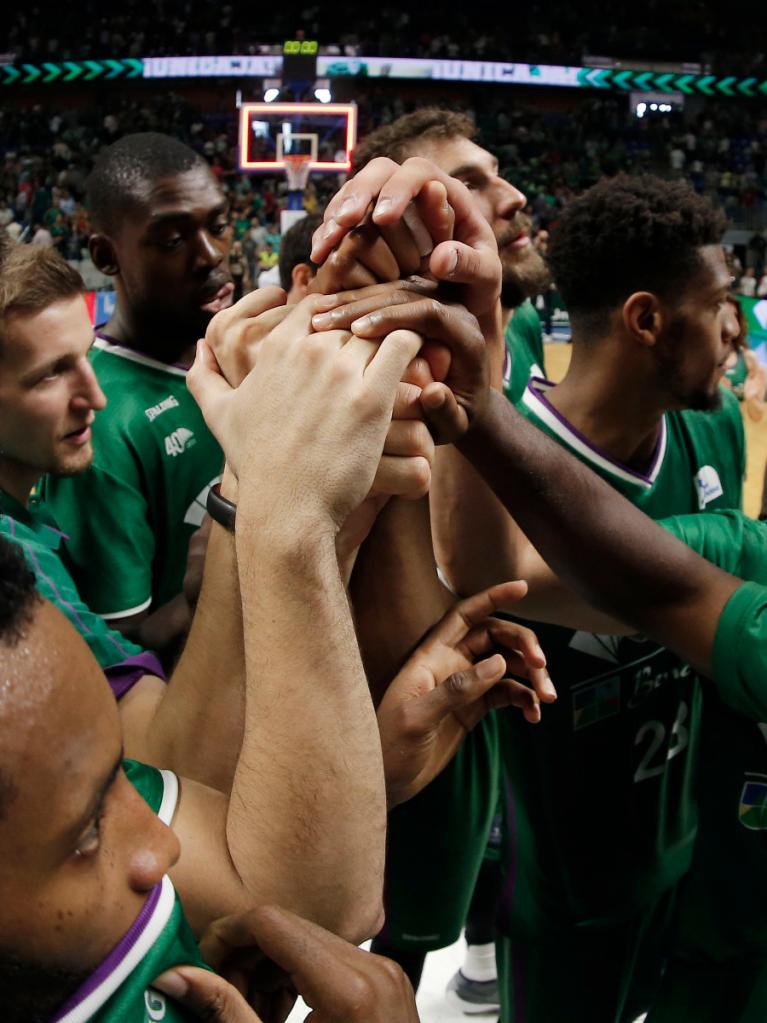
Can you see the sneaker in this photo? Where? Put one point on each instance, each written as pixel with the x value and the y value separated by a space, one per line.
pixel 472 996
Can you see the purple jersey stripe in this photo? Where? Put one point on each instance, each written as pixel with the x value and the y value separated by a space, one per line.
pixel 115 957
pixel 537 386
pixel 123 676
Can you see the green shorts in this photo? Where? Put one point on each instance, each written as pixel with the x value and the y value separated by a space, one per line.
pixel 712 993
pixel 436 843
pixel 607 973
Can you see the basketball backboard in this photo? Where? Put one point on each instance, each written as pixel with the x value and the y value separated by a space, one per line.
pixel 325 132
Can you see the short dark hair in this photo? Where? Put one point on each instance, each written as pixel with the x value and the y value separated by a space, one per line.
pixel 398 139
pixel 18 593
pixel 628 234
pixel 122 169
pixel 296 247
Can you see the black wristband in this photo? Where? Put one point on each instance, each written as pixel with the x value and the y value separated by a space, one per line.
pixel 220 510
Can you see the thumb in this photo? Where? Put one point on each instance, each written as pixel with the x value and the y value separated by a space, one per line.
pixel 446 419
pixel 209 996
pixel 206 382
pixel 459 691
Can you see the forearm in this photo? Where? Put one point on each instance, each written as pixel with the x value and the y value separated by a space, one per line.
pixel 308 807
pixel 395 591
pixel 197 728
pixel 476 541
pixel 594 539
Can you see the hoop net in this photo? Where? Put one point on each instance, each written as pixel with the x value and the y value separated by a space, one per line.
pixel 297 171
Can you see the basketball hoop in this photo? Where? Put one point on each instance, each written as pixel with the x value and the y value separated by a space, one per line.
pixel 297 170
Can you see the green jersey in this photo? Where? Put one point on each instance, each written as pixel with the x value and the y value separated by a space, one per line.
pixel 524 351
pixel 44 545
pixel 119 990
pixel 130 516
pixel 721 911
pixel 602 817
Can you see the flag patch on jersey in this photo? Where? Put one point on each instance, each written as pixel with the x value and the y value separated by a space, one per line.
pixel 596 702
pixel 753 805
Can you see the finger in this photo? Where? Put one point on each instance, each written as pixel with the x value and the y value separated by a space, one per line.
pixel 519 638
pixel 446 419
pixel 253 304
pixel 407 401
pixel 319 963
pixel 399 238
pixel 209 996
pixel 370 301
pixel 415 283
pixel 464 615
pixel 508 693
pixel 206 382
pixel 409 438
pixel 402 477
pixel 458 263
pixel 456 694
pixel 418 372
pixel 387 366
pixel 349 206
pixel 436 213
pixel 447 324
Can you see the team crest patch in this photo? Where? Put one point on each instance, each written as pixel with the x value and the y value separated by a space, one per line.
pixel 708 485
pixel 752 812
pixel 596 702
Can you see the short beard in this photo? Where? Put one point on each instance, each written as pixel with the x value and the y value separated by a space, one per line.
pixel 523 280
pixel 31 992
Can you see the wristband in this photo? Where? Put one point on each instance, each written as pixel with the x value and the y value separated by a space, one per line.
pixel 220 510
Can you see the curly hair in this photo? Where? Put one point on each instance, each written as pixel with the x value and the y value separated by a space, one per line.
pixel 629 234
pixel 397 140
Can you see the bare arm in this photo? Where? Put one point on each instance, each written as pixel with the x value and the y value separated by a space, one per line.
pixel 305 823
pixel 611 553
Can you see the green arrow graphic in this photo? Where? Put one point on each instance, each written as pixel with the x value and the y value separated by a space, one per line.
pixel 704 84
pixel 746 86
pixel 12 73
pixel 583 77
pixel 54 70
pixel 644 81
pixel 116 66
pixel 95 69
pixel 683 84
pixel 663 82
pixel 33 73
pixel 75 70
pixel 762 87
pixel 623 79
pixel 135 67
pixel 725 85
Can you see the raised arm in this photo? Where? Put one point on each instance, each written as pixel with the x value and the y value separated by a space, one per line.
pixel 306 820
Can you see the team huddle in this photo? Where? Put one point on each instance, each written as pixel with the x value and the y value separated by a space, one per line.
pixel 399 636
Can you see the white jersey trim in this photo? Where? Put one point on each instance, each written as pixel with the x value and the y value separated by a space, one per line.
pixel 131 356
pixel 559 426
pixel 96 999
pixel 169 797
pixel 128 611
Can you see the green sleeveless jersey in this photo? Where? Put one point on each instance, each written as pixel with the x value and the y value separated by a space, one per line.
pixel 130 516
pixel 119 990
pixel 44 545
pixel 602 816
pixel 524 351
pixel 721 914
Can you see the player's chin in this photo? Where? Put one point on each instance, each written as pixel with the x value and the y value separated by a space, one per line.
pixel 72 463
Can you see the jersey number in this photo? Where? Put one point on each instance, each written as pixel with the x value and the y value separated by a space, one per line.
pixel 679 740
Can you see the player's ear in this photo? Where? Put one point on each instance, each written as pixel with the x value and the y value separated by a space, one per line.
pixel 103 254
pixel 301 277
pixel 643 317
